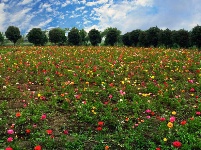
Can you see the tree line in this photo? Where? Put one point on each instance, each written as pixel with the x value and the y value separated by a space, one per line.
pixel 153 37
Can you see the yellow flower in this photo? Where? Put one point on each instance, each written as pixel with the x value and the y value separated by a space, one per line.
pixel 174 113
pixel 170 124
pixel 39 95
pixel 152 77
pixel 165 139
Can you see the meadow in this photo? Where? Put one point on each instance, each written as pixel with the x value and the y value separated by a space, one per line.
pixel 99 98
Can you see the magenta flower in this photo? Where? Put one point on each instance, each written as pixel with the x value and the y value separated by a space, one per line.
pixel 198 113
pixel 172 119
pixel 43 117
pixel 10 131
pixel 148 111
pixel 10 139
pixel 110 96
pixel 122 93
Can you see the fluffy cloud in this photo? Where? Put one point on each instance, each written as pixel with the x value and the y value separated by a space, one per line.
pixel 24 2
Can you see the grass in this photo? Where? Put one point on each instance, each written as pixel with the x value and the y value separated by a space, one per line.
pixel 99 98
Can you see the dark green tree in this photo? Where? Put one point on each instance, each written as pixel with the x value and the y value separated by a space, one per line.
pixel 74 37
pixel 134 36
pixel 1 38
pixel 164 38
pixel 196 36
pixel 37 36
pixel 152 36
pixel 126 39
pixel 112 36
pixel 143 39
pixel 57 36
pixel 13 34
pixel 183 38
pixel 94 37
pixel 83 36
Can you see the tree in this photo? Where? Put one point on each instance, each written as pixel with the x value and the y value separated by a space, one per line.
pixel 13 34
pixel 126 39
pixel 134 36
pixel 37 36
pixel 112 36
pixel 184 38
pixel 196 36
pixel 94 37
pixel 1 38
pixel 57 36
pixel 164 38
pixel 152 36
pixel 74 37
pixel 143 39
pixel 83 36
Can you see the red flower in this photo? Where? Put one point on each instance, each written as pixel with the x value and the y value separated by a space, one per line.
pixel 99 128
pixel 100 123
pixel 158 148
pixel 192 90
pixel 65 131
pixel 176 144
pixel 162 119
pixel 38 147
pixel 183 122
pixel 18 114
pixel 49 131
pixel 9 148
pixel 28 131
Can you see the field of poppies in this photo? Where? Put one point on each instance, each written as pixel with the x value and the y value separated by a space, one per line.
pixel 99 98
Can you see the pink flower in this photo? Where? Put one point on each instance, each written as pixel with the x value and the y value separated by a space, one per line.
pixel 43 117
pixel 172 119
pixel 10 131
pixel 9 148
pixel 148 111
pixel 162 119
pixel 110 96
pixel 198 113
pixel 122 93
pixel 148 117
pixel 10 139
pixel 192 90
pixel 65 131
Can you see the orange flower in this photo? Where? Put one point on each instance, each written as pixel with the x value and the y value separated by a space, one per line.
pixel 170 124
pixel 107 147
pixel 28 131
pixel 18 114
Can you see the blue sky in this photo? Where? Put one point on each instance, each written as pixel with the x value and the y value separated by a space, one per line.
pixel 126 15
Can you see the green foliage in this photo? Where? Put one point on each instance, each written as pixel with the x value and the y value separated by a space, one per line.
pixel 134 36
pixel 152 36
pixel 196 36
pixel 83 36
pixel 13 34
pixel 1 38
pixel 165 38
pixel 112 36
pixel 143 41
pixel 126 39
pixel 37 36
pixel 74 37
pixel 94 37
pixel 57 36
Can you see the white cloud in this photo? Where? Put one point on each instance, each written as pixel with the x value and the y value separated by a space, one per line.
pixel 19 16
pixel 97 2
pixel 65 3
pixel 24 2
pixel 144 2
pixel 2 16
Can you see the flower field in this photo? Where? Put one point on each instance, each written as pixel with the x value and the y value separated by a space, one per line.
pixel 99 98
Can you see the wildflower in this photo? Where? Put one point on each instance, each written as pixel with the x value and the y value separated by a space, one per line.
pixel 107 147
pixel 192 90
pixel 176 144
pixel 165 139
pixel 158 148
pixel 38 147
pixel 172 119
pixel 183 122
pixel 65 131
pixel 170 124
pixel 100 123
pixel 18 114
pixel 148 117
pixel 198 113
pixel 49 131
pixel 28 131
pixel 10 139
pixel 10 131
pixel 110 96
pixel 148 111
pixel 122 93
pixel 162 119
pixel 174 113
pixel 9 148
pixel 99 128
pixel 43 117
pixel 39 95
pixel 127 119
